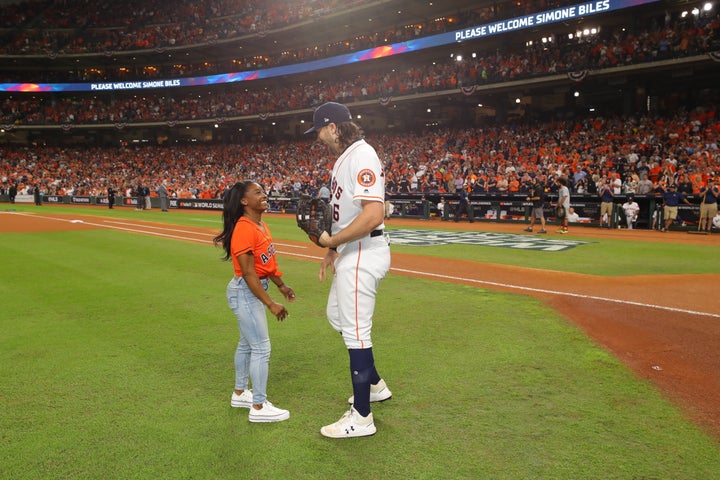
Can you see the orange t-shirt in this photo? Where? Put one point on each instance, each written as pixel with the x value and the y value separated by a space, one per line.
pixel 248 237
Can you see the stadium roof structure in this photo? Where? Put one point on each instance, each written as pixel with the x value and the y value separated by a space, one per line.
pixel 607 89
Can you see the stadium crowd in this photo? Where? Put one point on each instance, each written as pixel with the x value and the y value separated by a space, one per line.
pixel 680 149
pixel 679 37
pixel 628 151
pixel 72 26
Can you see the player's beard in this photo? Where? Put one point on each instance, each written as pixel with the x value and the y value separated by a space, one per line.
pixel 334 144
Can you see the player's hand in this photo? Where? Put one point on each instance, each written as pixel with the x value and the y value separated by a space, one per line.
pixel 327 261
pixel 324 239
pixel 279 311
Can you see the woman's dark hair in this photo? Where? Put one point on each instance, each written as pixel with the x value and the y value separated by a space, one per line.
pixel 349 133
pixel 233 209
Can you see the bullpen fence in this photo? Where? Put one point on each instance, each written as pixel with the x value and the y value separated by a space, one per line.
pixel 481 208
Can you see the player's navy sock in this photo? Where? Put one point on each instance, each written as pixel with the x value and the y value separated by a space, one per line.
pixel 374 376
pixel 362 365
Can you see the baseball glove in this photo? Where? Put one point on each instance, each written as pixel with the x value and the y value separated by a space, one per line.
pixel 314 216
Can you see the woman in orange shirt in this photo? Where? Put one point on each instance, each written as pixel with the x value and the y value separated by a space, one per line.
pixel 247 241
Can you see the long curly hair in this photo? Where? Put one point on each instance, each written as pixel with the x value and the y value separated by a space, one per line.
pixel 233 209
pixel 349 133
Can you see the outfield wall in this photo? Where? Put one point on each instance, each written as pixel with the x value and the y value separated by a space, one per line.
pixel 483 208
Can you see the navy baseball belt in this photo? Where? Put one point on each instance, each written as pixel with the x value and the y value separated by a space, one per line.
pixel 376 233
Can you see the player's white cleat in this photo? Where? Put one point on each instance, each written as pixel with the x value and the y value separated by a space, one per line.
pixel 351 424
pixel 244 400
pixel 268 413
pixel 378 393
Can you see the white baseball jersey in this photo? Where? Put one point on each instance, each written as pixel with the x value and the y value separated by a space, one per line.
pixel 361 264
pixel 631 209
pixel 357 175
pixel 564 192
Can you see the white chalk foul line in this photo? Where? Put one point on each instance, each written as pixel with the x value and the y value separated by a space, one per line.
pixel 158 227
pixel 190 232
pixel 108 224
pixel 555 292
pixel 415 272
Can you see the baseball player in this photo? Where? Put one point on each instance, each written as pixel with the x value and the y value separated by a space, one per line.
pixel 359 256
pixel 631 209
pixel 563 203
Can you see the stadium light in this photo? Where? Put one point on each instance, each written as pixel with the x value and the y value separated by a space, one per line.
pixel 707 7
pixel 696 11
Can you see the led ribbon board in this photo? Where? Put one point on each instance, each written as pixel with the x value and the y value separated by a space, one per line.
pixel 466 34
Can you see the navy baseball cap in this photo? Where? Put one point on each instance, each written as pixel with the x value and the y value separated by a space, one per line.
pixel 330 112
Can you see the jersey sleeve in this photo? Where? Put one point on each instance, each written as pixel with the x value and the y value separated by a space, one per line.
pixel 369 176
pixel 243 239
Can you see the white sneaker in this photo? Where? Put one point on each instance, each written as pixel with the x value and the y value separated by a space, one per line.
pixel 351 424
pixel 378 393
pixel 268 413
pixel 244 400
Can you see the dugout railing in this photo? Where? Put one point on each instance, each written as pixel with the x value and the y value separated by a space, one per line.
pixel 513 207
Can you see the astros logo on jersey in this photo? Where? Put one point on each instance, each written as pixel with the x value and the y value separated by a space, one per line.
pixel 366 178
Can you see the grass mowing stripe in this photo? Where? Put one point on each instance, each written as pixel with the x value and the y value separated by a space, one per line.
pixel 133 379
pixel 606 256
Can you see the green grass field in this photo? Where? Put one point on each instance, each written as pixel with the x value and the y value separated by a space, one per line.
pixel 116 362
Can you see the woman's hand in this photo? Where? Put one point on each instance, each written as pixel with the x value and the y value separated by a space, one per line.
pixel 279 311
pixel 287 292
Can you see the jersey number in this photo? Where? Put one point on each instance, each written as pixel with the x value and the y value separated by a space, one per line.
pixel 337 192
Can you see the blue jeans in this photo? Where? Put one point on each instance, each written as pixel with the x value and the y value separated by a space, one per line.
pixel 253 351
